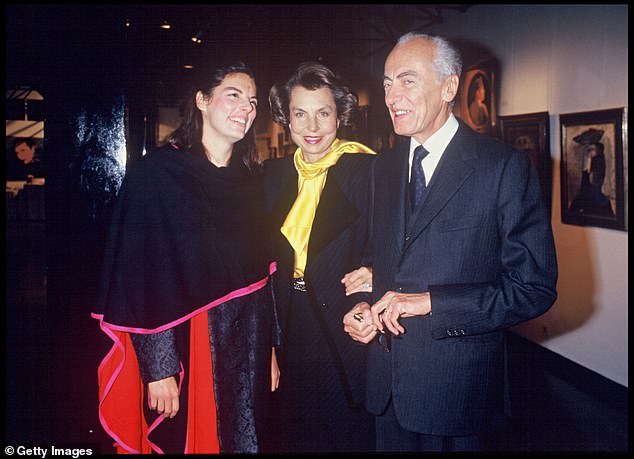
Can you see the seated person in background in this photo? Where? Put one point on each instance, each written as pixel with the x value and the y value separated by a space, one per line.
pixel 23 163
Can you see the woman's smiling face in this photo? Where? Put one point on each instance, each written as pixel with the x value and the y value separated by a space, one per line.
pixel 313 121
pixel 231 110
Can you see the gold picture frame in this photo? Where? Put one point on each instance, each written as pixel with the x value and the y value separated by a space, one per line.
pixel 476 98
pixel 594 168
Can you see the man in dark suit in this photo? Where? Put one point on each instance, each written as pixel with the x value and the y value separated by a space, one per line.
pixel 461 252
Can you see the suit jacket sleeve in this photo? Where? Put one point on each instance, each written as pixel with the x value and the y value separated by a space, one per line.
pixel 525 285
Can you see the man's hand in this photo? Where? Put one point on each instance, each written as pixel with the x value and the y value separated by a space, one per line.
pixel 393 305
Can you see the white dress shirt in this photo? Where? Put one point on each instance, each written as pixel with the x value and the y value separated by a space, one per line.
pixel 435 145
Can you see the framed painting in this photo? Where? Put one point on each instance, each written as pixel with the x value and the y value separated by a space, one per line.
pixel 531 134
pixel 289 149
pixel 475 101
pixel 263 144
pixel 285 145
pixel 594 168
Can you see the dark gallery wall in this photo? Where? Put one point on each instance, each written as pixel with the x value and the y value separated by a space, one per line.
pixel 95 112
pixel 84 110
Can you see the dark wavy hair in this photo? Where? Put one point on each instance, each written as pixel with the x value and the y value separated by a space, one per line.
pixel 29 141
pixel 188 135
pixel 313 75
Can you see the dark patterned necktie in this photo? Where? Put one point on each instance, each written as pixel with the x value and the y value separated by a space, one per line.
pixel 417 181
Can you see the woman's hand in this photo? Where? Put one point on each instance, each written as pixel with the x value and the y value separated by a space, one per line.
pixel 163 396
pixel 358 323
pixel 359 280
pixel 275 372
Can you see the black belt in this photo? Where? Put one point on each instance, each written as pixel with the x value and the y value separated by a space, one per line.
pixel 299 284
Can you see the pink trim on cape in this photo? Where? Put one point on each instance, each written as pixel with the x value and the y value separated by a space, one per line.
pixel 229 296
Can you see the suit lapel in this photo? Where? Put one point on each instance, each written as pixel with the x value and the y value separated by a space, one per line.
pixel 334 213
pixel 454 168
pixel 391 186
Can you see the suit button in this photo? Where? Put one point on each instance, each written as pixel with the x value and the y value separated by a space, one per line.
pixel 406 238
pixel 400 289
pixel 449 333
pixel 324 305
pixel 462 332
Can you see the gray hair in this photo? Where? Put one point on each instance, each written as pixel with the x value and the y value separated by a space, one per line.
pixel 447 60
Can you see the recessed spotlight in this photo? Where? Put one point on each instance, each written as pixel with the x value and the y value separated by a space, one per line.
pixel 166 25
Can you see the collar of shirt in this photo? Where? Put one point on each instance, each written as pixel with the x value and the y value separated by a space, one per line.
pixel 435 145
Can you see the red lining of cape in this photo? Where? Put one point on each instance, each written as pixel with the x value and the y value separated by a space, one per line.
pixel 119 379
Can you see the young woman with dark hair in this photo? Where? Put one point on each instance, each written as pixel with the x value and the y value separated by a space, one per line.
pixel 185 293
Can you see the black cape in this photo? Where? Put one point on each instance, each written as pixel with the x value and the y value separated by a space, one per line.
pixel 184 233
pixel 186 237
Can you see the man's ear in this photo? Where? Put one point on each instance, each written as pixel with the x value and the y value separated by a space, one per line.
pixel 201 103
pixel 450 88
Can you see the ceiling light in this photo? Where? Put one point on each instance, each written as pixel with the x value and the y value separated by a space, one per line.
pixel 198 37
pixel 166 25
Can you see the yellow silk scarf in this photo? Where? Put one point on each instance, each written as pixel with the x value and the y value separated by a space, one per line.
pixel 311 181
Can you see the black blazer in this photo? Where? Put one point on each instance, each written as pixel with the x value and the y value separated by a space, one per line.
pixel 337 239
pixel 482 246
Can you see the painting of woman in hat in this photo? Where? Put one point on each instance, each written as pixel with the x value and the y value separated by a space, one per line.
pixel 590 198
